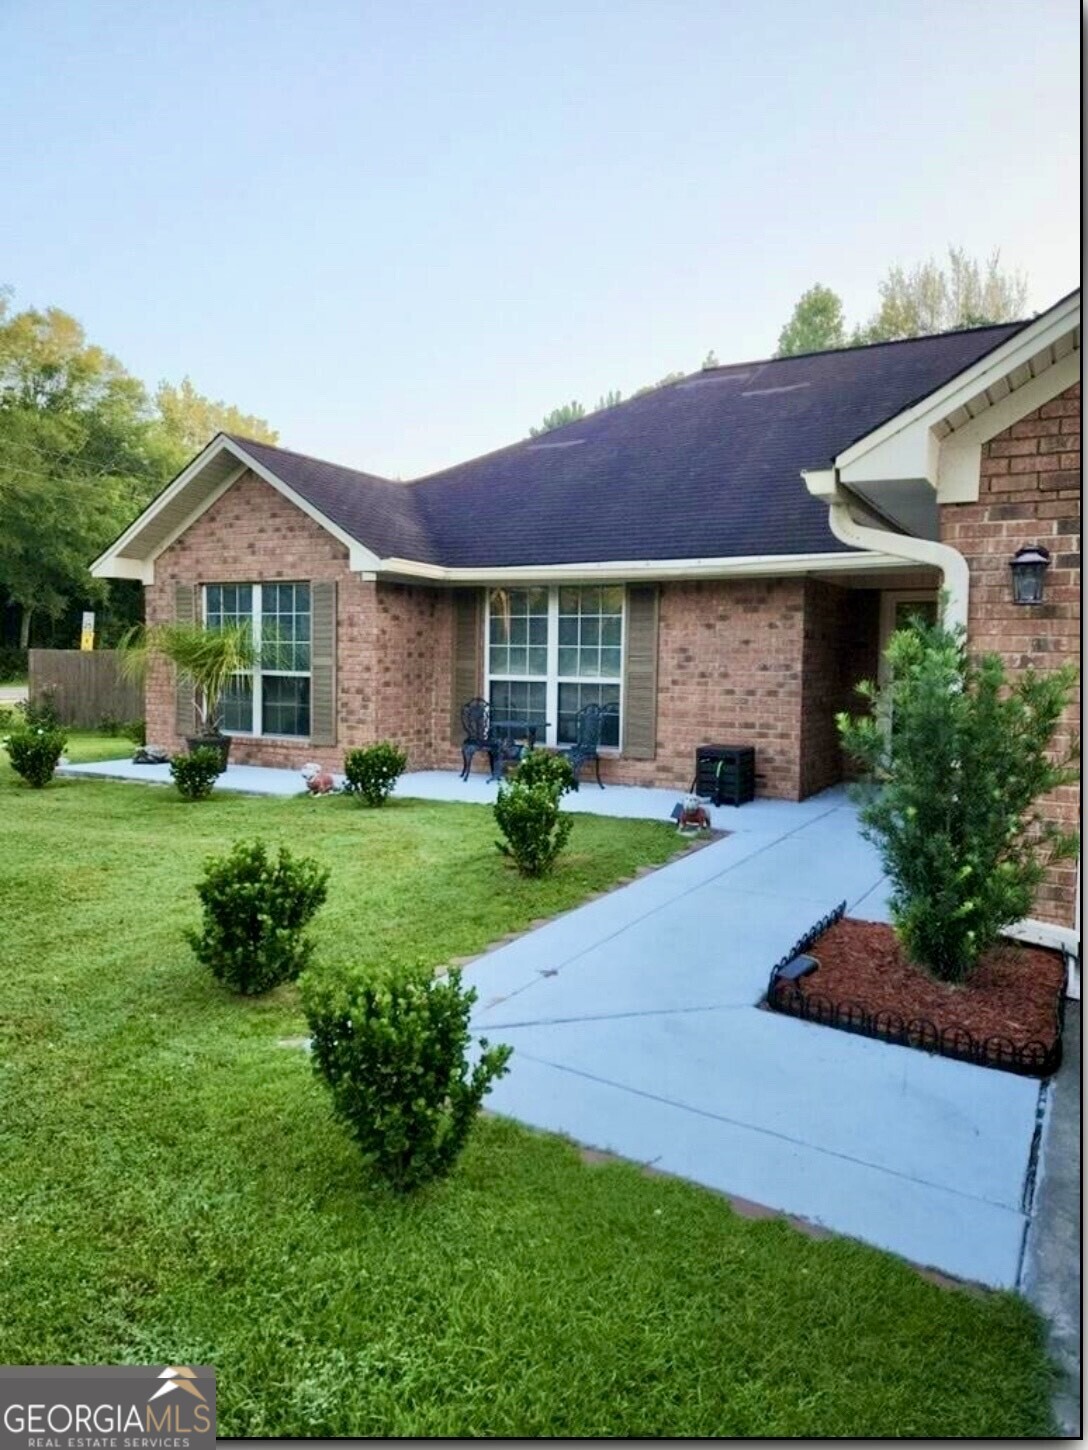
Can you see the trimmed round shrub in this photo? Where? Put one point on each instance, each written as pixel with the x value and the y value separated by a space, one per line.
pixel 255 909
pixel 392 1048
pixel 372 773
pixel 534 828
pixel 541 767
pixel 195 774
pixel 952 803
pixel 34 751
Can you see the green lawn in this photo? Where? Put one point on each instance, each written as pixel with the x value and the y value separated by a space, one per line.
pixel 174 1190
pixel 84 745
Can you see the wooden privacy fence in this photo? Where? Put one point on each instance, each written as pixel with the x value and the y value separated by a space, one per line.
pixel 86 686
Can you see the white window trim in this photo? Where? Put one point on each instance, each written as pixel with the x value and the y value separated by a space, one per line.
pixel 552 680
pixel 257 673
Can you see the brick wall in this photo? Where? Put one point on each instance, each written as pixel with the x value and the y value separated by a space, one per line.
pixel 731 655
pixel 413 650
pixel 249 535
pixel 729 672
pixel 1029 492
pixel 841 648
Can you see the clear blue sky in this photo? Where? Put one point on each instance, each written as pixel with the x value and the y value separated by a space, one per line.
pixel 404 231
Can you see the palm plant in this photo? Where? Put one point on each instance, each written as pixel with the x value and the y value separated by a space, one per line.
pixel 210 658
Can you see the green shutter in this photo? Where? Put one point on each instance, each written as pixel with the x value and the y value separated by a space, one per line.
pixel 184 708
pixel 467 630
pixel 323 662
pixel 640 674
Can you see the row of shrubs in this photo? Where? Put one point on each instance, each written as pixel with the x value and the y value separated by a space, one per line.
pixel 369 774
pixel 533 827
pixel 392 1046
pixel 527 812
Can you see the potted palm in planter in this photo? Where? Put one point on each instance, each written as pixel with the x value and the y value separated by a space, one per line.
pixel 210 658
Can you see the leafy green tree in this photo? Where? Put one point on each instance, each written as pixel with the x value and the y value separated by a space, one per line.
pixel 82 450
pixel 75 459
pixel 958 757
pixel 187 421
pixel 661 383
pixel 559 417
pixel 816 324
pixel 929 298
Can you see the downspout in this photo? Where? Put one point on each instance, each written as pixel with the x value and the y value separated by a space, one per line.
pixel 824 485
pixel 957 585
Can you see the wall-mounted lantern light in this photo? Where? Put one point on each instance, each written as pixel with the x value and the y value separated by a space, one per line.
pixel 1028 566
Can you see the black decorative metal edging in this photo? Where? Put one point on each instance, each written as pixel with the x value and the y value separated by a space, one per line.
pixel 803 944
pixel 1028 1059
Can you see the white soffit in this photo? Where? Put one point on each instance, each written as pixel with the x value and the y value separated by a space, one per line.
pixel 937 441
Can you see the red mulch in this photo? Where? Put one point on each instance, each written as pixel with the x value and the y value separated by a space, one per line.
pixel 1013 993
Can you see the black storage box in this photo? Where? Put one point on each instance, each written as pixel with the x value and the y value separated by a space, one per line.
pixel 725 774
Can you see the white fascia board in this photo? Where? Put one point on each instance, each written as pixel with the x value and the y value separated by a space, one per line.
pixel 110 564
pixel 904 446
pixel 114 564
pixel 630 570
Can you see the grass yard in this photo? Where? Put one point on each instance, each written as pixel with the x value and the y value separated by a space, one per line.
pixel 88 745
pixel 173 1188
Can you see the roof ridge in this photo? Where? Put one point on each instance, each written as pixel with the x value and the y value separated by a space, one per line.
pixel 862 346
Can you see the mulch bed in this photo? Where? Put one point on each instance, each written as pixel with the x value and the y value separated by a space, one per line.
pixel 1008 1015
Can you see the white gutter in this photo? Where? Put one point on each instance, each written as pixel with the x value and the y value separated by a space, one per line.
pixel 629 570
pixel 824 484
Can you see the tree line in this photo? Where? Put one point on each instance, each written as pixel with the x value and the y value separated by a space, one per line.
pixel 913 302
pixel 84 446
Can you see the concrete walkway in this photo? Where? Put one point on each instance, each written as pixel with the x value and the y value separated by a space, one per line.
pixel 636 1031
pixel 627 802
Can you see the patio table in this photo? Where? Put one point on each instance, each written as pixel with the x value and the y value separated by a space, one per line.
pixel 508 740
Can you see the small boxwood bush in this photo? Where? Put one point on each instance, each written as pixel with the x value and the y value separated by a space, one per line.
pixel 255 909
pixel 534 828
pixel 34 751
pixel 195 774
pixel 541 767
pixel 372 773
pixel 392 1049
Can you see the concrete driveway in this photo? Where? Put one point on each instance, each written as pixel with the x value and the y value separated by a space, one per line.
pixel 635 1030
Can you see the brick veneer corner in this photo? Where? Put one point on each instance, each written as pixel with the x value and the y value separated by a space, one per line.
pixel 1030 493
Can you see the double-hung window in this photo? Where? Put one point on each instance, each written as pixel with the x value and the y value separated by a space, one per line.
pixel 273 698
pixel 551 651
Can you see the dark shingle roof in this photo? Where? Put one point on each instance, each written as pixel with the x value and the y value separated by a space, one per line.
pixel 706 467
pixel 381 514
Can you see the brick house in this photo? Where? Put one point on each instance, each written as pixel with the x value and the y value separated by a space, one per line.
pixel 722 558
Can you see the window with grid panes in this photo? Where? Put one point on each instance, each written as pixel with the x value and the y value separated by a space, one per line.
pixel 274 698
pixel 551 651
